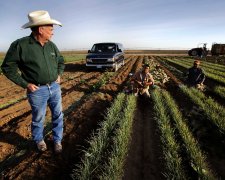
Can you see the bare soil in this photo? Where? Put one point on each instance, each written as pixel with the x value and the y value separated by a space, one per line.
pixel 145 159
pixel 84 109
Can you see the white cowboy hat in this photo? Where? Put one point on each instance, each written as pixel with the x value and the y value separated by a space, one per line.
pixel 37 18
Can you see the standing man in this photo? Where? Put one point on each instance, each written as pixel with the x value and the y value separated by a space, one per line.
pixel 41 65
pixel 142 80
pixel 196 76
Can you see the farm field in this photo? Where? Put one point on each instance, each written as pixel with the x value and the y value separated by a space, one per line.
pixel 177 134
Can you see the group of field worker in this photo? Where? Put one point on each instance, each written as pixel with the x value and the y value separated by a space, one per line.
pixel 142 80
pixel 41 66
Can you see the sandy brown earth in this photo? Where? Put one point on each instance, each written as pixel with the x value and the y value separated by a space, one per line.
pixel 145 156
pixel 84 107
pixel 83 110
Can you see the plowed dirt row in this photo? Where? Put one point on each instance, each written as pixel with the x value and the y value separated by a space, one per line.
pixel 16 119
pixel 9 91
pixel 18 129
pixel 83 119
pixel 144 159
pixel 12 113
pixel 145 156
pixel 83 110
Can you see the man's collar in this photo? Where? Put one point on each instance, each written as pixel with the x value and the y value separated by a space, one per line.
pixel 34 40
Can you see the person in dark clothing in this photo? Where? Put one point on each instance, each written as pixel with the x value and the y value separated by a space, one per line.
pixel 195 76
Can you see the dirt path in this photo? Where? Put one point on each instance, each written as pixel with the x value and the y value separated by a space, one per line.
pixel 145 156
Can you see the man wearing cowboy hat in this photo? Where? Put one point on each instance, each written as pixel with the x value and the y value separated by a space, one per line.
pixel 196 76
pixel 41 65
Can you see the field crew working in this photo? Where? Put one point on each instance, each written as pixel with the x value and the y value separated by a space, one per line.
pixel 142 80
pixel 41 65
pixel 196 76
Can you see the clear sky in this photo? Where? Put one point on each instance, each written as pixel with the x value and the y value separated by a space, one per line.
pixel 146 24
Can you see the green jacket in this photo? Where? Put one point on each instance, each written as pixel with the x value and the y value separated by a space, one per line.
pixel 37 64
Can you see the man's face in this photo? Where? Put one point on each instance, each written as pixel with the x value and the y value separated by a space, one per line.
pixel 46 32
pixel 146 70
pixel 196 65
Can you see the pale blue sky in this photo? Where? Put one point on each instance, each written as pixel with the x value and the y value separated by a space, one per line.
pixel 157 24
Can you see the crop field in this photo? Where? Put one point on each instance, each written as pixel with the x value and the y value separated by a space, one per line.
pixel 179 133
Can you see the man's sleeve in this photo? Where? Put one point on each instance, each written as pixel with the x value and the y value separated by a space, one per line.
pixel 187 72
pixel 10 65
pixel 135 76
pixel 202 76
pixel 151 79
pixel 60 59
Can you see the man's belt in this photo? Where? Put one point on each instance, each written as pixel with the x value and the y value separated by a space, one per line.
pixel 45 84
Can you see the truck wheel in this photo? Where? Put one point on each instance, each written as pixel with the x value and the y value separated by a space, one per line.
pixel 194 53
pixel 87 69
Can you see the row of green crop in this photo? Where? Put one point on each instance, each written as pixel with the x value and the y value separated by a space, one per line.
pixel 100 141
pixel 117 124
pixel 214 66
pixel 74 57
pixel 212 110
pixel 167 111
pixel 171 147
pixel 174 70
pixel 219 90
pixel 101 82
pixel 206 64
pixel 11 102
pixel 210 75
pixel 114 168
pixel 207 69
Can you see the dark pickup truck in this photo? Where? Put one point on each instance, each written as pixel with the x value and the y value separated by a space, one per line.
pixel 105 55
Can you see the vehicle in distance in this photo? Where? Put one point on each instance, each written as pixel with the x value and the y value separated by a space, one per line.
pixel 216 50
pixel 105 55
pixel 200 51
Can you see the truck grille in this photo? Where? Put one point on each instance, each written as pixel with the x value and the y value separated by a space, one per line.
pixel 99 61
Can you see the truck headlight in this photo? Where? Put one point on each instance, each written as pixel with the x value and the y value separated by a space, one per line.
pixel 110 60
pixel 88 60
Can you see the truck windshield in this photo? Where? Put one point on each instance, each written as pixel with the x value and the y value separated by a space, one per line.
pixel 104 48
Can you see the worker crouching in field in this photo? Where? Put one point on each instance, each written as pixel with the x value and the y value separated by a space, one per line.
pixel 142 80
pixel 196 76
